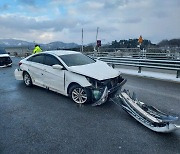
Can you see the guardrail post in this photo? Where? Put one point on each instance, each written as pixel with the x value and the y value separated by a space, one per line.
pixel 178 74
pixel 113 66
pixel 139 69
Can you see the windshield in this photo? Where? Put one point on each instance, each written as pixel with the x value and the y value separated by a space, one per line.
pixel 76 59
pixel 2 51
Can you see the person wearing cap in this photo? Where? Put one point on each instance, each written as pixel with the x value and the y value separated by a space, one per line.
pixel 37 49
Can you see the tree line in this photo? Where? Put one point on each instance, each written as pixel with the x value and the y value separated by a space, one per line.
pixel 169 43
pixel 132 43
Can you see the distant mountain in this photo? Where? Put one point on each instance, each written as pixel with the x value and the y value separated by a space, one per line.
pixel 59 45
pixel 50 46
pixel 14 42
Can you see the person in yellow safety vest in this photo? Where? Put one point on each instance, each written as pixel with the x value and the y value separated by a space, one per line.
pixel 37 49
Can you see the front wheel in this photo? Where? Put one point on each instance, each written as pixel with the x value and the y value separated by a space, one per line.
pixel 27 79
pixel 79 94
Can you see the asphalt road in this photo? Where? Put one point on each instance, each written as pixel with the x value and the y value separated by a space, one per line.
pixel 35 120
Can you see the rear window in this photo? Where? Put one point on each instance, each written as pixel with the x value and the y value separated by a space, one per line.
pixel 37 59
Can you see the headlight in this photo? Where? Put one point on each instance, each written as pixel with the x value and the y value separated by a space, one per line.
pixel 91 80
pixel 110 65
pixel 97 94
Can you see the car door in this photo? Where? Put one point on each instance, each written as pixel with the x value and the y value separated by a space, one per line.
pixel 36 68
pixel 53 78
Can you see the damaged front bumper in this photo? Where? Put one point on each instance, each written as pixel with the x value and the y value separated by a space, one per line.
pixel 109 93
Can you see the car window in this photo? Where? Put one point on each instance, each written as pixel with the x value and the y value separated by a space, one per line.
pixel 2 51
pixel 37 59
pixel 51 60
pixel 76 59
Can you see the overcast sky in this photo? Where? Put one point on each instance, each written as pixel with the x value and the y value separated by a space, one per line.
pixel 44 21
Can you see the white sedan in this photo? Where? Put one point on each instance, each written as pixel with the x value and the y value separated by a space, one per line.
pixel 70 73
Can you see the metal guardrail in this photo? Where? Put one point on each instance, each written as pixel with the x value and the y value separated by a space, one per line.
pixel 146 63
pixel 140 54
pixel 149 53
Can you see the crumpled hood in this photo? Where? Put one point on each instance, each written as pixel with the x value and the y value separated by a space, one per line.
pixel 98 70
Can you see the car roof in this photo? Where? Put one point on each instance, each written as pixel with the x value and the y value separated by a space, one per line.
pixel 61 52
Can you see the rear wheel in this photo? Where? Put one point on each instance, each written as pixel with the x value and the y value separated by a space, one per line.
pixel 79 94
pixel 27 79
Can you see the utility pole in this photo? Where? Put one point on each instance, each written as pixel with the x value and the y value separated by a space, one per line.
pixel 82 41
pixel 97 34
pixel 96 47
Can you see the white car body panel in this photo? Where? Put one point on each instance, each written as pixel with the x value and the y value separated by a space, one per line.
pixel 98 70
pixel 4 55
pixel 58 80
pixel 71 77
pixel 35 70
pixel 18 74
pixel 54 78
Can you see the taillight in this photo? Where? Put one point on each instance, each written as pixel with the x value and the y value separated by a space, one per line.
pixel 20 63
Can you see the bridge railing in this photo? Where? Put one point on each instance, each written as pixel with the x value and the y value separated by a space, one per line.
pixel 146 63
pixel 149 53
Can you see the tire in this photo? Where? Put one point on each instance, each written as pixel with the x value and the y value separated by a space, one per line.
pixel 79 95
pixel 27 79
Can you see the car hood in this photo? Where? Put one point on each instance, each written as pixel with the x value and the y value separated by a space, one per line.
pixel 4 55
pixel 98 70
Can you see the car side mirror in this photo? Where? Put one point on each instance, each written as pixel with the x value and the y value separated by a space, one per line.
pixel 56 66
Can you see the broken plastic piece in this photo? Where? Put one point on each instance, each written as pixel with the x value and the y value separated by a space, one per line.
pixel 103 98
pixel 149 116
